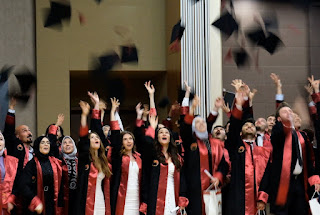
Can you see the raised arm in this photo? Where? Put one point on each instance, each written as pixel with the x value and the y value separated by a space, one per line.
pixel 115 130
pixel 9 128
pixel 52 134
pixel 84 144
pixel 219 102
pixel 277 82
pixel 150 88
pixel 95 124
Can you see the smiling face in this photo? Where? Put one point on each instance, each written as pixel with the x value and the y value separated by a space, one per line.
pixel 1 141
pixel 164 136
pixel 68 146
pixel 127 142
pixel 200 124
pixel 95 141
pixel 271 121
pixel 24 134
pixel 296 120
pixel 44 146
pixel 261 124
pixel 248 129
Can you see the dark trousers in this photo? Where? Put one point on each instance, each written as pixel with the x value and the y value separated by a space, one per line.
pixel 296 201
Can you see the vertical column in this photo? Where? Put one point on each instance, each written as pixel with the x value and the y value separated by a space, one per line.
pixel 201 45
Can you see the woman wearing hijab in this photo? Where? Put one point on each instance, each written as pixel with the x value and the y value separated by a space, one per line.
pixel 201 152
pixel 9 177
pixel 94 171
pixel 69 173
pixel 42 179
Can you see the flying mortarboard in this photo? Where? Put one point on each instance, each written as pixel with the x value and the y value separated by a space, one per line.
pixel 129 54
pixel 271 43
pixel 241 57
pixel 177 32
pixel 164 102
pixel 107 62
pixel 228 98
pixel 25 79
pixel 4 73
pixel 226 23
pixel 58 12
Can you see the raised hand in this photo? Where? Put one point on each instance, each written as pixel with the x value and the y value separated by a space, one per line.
pixel 102 105
pixel 85 107
pixel 149 87
pixel 187 87
pixel 276 79
pixel 314 84
pixel 114 104
pixel 226 108
pixel 194 105
pixel 61 119
pixel 237 84
pixel 309 89
pixel 219 102
pixel 139 111
pixel 12 103
pixel 252 93
pixel 153 120
pixel 94 98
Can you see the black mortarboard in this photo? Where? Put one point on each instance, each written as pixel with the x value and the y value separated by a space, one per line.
pixel 98 1
pixel 177 32
pixel 164 102
pixel 107 62
pixel 226 23
pixel 270 43
pixel 26 80
pixel 228 98
pixel 58 12
pixel 256 36
pixel 22 98
pixel 5 72
pixel 181 96
pixel 129 54
pixel 240 57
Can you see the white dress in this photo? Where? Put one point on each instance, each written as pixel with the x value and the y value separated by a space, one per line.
pixel 99 203
pixel 170 203
pixel 131 206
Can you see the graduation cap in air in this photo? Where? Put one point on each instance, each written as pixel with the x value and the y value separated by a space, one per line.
pixel 226 23
pixel 181 96
pixel 270 43
pixel 176 35
pixel 58 12
pixel 177 32
pixel 107 62
pixel 164 102
pixel 21 98
pixel 241 57
pixel 129 54
pixel 4 73
pixel 25 79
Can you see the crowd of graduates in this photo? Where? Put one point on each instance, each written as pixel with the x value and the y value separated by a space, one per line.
pixel 264 163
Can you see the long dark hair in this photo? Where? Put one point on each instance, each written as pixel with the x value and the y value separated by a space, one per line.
pixel 122 151
pixel 100 161
pixel 172 150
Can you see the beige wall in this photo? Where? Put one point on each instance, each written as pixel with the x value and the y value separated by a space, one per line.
pixel 58 52
pixel 290 62
pixel 18 49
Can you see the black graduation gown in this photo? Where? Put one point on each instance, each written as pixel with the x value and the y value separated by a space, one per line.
pixel 194 162
pixel 243 192
pixel 87 173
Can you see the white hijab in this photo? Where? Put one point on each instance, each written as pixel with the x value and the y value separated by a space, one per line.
pixel 200 135
pixel 73 154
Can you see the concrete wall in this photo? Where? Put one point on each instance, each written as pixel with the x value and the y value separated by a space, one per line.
pixel 290 62
pixel 71 48
pixel 17 39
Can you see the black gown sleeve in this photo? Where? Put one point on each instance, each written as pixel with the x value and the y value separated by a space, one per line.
pixel 28 182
